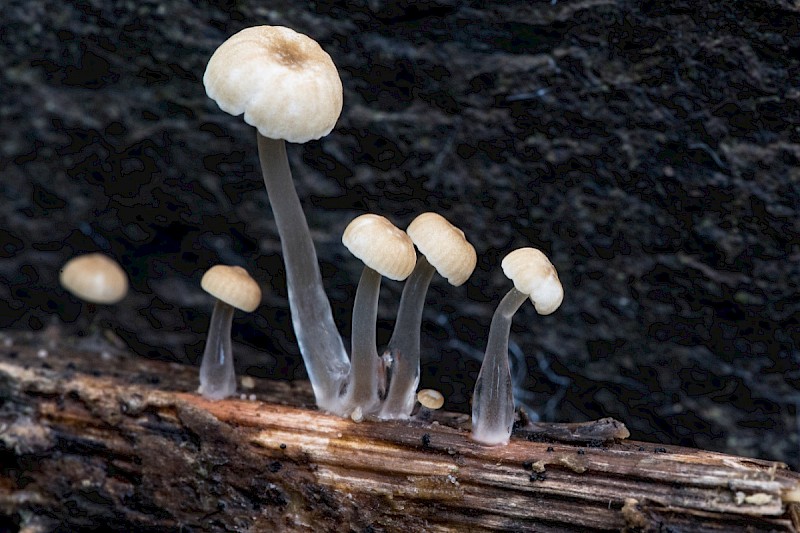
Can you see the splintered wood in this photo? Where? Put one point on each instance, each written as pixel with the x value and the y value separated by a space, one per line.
pixel 124 442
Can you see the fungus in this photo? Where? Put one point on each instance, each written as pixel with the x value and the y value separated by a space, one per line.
pixel 534 277
pixel 288 88
pixel 444 249
pixel 233 288
pixel 385 251
pixel 430 399
pixel 95 278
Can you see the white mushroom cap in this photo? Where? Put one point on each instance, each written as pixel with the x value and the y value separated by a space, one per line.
pixel 431 399
pixel 283 82
pixel 533 274
pixel 232 285
pixel 95 278
pixel 381 246
pixel 444 246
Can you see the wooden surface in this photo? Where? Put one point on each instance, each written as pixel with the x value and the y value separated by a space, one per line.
pixel 88 438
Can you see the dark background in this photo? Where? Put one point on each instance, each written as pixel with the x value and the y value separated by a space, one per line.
pixel 649 148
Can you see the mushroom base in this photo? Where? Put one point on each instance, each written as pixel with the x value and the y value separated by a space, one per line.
pixel 404 345
pixel 217 375
pixel 320 343
pixel 361 397
pixel 493 401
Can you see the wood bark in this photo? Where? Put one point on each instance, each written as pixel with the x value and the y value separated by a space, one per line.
pixel 111 440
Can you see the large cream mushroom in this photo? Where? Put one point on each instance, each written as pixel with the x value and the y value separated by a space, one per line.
pixel 534 277
pixel 233 289
pixel 444 249
pixel 385 251
pixel 288 88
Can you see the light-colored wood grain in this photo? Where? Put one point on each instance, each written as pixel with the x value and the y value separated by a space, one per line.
pixel 124 441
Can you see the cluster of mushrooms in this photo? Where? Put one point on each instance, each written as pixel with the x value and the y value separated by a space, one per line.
pixel 288 88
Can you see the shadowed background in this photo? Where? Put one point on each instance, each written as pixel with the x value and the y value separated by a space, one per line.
pixel 651 152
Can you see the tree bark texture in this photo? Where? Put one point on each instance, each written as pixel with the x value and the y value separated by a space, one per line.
pixel 93 439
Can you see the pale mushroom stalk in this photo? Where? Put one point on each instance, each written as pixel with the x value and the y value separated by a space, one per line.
pixel 363 386
pixel 534 278
pixel 403 346
pixel 233 288
pixel 385 251
pixel 217 375
pixel 493 401
pixel 443 248
pixel 318 338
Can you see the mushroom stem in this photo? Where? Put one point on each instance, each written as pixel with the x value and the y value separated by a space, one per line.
pixel 493 401
pixel 217 375
pixel 320 343
pixel 362 388
pixel 404 343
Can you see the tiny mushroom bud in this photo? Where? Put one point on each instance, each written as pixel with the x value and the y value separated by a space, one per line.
pixel 289 89
pixel 534 277
pixel 385 251
pixel 95 278
pixel 430 399
pixel 233 288
pixel 444 249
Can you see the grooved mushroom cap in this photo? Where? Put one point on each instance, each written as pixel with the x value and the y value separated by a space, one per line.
pixel 533 274
pixel 283 82
pixel 95 278
pixel 431 399
pixel 381 246
pixel 232 285
pixel 444 246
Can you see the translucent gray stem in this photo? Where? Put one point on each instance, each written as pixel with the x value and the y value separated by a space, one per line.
pixel 404 344
pixel 493 401
pixel 320 343
pixel 217 375
pixel 362 388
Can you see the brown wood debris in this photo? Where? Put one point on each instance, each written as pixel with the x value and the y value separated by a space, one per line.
pixel 113 439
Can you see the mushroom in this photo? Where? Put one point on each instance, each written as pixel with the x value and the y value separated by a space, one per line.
pixel 385 251
pixel 95 278
pixel 444 249
pixel 233 288
pixel 430 399
pixel 289 89
pixel 534 277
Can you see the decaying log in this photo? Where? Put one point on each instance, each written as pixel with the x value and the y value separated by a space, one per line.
pixel 122 441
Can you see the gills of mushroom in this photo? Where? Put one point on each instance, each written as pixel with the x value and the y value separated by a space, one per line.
pixel 289 89
pixel 385 251
pixel 534 277
pixel 445 250
pixel 233 288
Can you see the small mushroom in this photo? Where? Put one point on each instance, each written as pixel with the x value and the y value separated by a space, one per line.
pixel 430 399
pixel 95 278
pixel 289 89
pixel 444 249
pixel 534 277
pixel 385 251
pixel 233 288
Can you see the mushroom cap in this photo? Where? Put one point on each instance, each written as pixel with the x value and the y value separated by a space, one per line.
pixel 533 274
pixel 444 246
pixel 283 82
pixel 95 278
pixel 431 399
pixel 381 246
pixel 232 285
